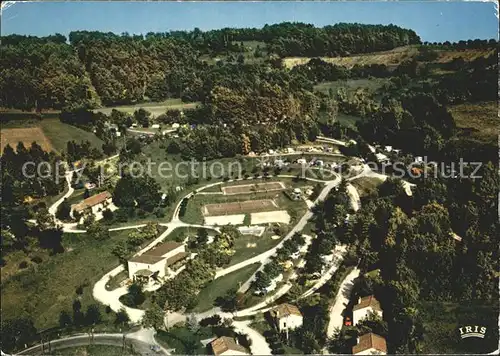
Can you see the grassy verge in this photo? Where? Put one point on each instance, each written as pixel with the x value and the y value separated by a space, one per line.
pixel 94 350
pixel 221 286
pixel 184 341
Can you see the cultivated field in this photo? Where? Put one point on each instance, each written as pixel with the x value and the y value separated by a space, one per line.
pixel 27 135
pixel 242 207
pixel 50 132
pixel 253 188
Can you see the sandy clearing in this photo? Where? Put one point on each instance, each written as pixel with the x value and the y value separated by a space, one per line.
pixel 221 220
pixel 278 216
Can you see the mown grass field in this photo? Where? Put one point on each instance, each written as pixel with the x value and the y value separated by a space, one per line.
pixel 221 286
pixel 242 248
pixel 50 132
pixel 184 341
pixel 155 108
pixel 478 120
pixel 43 290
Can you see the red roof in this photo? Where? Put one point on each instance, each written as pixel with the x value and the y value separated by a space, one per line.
pixel 370 341
pixel 92 201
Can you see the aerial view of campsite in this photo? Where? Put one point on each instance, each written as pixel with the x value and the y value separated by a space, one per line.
pixel 249 178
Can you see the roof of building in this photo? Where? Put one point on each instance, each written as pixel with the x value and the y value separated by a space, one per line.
pixel 156 254
pixel 224 343
pixel 285 309
pixel 144 272
pixel 92 201
pixel 176 258
pixel 369 341
pixel 369 301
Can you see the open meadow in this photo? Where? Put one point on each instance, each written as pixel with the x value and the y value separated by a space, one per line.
pixel 391 58
pixel 155 108
pixel 49 132
pixel 43 290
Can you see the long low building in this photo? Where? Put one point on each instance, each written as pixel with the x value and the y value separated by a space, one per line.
pixel 152 264
pixel 95 203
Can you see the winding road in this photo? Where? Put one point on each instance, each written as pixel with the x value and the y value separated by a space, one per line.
pixel 259 346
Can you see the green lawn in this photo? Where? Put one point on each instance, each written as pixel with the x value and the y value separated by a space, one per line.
pixel 180 233
pixel 60 133
pixel 221 286
pixel 156 108
pixel 42 291
pixel 184 341
pixel 94 350
pixel 242 252
pixel 442 320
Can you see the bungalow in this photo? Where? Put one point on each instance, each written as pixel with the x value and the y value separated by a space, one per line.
pixel 370 344
pixel 287 317
pixel 302 161
pixel 96 203
pixel 153 263
pixel 224 346
pixel 365 306
pixel 155 126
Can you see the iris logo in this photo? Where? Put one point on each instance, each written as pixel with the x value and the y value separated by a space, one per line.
pixel 472 331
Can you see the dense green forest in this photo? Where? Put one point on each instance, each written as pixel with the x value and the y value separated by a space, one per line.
pixel 249 101
pixel 91 68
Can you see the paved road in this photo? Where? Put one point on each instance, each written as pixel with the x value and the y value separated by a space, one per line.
pixel 354 195
pixel 53 207
pixel 341 300
pixel 99 339
pixel 259 345
pixel 328 274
